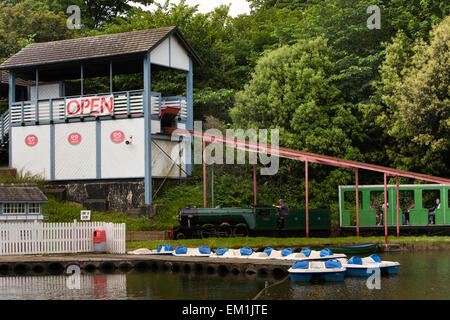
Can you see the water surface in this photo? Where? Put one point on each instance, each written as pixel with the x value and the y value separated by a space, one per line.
pixel 422 275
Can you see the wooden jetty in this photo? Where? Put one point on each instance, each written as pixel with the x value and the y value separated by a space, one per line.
pixel 58 264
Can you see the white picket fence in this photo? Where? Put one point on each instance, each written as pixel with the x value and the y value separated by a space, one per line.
pixel 48 238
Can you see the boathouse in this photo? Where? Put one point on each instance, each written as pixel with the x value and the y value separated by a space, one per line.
pixel 21 202
pixel 73 137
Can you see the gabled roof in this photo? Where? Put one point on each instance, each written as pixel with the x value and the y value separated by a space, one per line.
pixel 21 193
pixel 88 48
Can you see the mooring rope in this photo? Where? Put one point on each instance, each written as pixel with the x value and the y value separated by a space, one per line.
pixel 272 285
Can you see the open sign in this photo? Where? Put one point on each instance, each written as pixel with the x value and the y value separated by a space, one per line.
pixel 90 106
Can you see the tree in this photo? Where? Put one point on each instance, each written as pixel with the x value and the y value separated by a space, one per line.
pixel 21 24
pixel 292 89
pixel 93 12
pixel 416 94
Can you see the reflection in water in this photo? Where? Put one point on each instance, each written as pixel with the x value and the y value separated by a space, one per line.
pixel 61 287
pixel 422 275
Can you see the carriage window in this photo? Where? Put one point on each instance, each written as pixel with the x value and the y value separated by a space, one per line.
pixel 376 199
pixel 429 197
pixel 350 200
pixel 406 199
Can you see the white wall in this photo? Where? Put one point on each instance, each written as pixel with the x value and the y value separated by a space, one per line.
pixel 46 91
pixel 162 164
pixel 120 160
pixel 79 162
pixel 75 161
pixel 171 53
pixel 36 159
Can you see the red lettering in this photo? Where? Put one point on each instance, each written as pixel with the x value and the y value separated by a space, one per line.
pixel 84 104
pixel 69 112
pixel 109 106
pixel 94 105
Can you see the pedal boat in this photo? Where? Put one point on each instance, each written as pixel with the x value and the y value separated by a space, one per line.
pixel 329 270
pixel 357 266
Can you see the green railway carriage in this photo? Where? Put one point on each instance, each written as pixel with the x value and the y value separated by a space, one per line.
pixel 243 221
pixel 423 195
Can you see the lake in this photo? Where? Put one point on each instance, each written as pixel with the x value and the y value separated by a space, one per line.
pixel 422 275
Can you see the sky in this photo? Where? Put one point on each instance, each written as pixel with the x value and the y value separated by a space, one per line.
pixel 237 6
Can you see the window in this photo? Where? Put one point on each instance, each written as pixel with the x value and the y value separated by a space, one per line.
pixel 429 198
pixel 34 208
pixel 14 208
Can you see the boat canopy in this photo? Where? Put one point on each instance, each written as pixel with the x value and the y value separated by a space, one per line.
pixel 355 260
pixel 287 252
pixel 375 258
pixel 220 251
pixel 326 252
pixel 333 264
pixel 246 251
pixel 300 265
pixel 204 250
pixel 306 252
pixel 181 250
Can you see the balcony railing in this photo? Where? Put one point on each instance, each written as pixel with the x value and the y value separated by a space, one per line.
pixel 4 128
pixel 126 104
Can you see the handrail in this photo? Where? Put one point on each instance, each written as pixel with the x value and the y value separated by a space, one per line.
pixel 126 104
pixel 4 127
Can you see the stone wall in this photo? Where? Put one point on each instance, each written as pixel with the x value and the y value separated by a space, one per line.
pixel 100 195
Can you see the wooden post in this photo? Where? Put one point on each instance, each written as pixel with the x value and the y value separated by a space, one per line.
pixel 307 199
pixel 385 209
pixel 212 186
pixel 398 209
pixel 204 174
pixel 254 186
pixel 357 203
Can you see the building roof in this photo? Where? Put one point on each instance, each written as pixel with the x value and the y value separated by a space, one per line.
pixel 88 48
pixel 21 192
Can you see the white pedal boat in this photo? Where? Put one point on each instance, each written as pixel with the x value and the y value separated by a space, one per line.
pixel 243 253
pixel 329 270
pixel 357 266
pixel 162 250
pixel 203 251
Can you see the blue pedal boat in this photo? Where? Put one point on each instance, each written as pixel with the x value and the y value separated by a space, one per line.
pixel 330 270
pixel 357 266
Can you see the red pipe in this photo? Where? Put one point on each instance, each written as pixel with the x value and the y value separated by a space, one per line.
pixel 385 209
pixel 311 157
pixel 204 173
pixel 254 185
pixel 398 209
pixel 357 203
pixel 307 199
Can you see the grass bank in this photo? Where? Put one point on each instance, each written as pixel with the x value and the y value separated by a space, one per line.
pixel 58 211
pixel 261 242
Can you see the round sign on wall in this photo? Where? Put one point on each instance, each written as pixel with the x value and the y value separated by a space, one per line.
pixel 117 136
pixel 74 138
pixel 31 140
